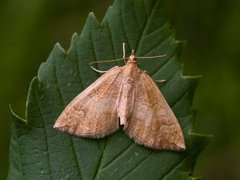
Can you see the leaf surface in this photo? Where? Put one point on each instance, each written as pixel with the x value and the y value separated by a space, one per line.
pixel 37 151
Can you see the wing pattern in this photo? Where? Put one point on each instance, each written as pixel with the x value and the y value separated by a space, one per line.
pixel 93 113
pixel 153 123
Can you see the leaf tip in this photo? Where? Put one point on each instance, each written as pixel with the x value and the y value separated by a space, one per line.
pixel 93 18
pixel 58 47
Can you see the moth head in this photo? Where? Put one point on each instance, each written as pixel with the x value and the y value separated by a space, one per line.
pixel 132 58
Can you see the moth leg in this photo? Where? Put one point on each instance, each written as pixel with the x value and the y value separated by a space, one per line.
pixel 160 81
pixel 97 70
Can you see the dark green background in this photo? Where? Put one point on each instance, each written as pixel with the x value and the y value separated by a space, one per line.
pixel 29 29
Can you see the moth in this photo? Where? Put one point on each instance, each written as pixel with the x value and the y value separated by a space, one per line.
pixel 125 96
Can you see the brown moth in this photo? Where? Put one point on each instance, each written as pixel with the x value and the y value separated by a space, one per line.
pixel 127 95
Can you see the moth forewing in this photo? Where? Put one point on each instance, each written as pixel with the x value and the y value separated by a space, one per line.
pixel 153 123
pixel 93 113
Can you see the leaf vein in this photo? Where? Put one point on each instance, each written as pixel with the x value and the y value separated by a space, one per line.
pixel 145 25
pixel 181 96
pixel 160 44
pixel 78 67
pixel 161 66
pixel 158 29
pixel 94 53
pixel 194 150
pixel 45 133
pixel 145 11
pixel 118 156
pixel 123 25
pixel 101 158
pixel 62 101
pixel 137 165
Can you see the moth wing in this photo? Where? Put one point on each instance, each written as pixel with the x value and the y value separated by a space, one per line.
pixel 153 123
pixel 93 113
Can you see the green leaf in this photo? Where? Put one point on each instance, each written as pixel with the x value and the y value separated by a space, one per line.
pixel 38 151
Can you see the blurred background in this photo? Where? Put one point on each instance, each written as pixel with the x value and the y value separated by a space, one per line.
pixel 29 29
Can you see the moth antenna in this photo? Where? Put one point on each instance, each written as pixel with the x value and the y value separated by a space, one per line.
pixel 124 50
pixel 103 61
pixel 161 81
pixel 150 57
pixel 106 61
pixel 99 71
pixel 124 53
pixel 133 52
